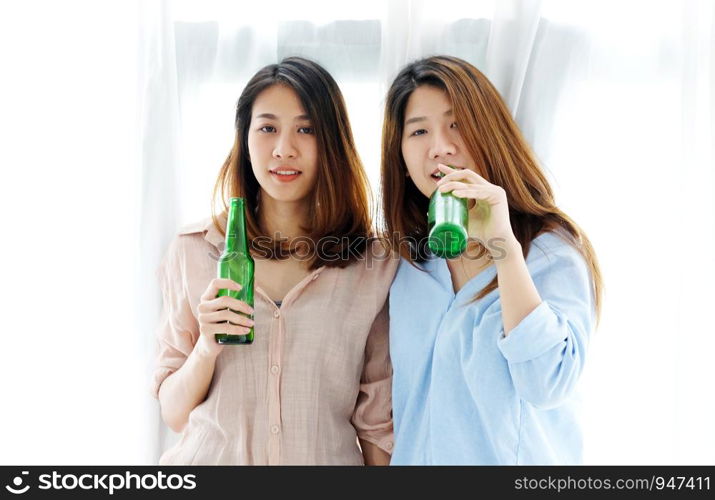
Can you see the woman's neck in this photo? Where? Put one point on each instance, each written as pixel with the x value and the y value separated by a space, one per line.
pixel 471 263
pixel 283 219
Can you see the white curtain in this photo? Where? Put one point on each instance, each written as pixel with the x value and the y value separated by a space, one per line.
pixel 72 357
pixel 615 97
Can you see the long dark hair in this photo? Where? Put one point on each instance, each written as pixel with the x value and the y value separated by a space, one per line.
pixel 494 141
pixel 340 204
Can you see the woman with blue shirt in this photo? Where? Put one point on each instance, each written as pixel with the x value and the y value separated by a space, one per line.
pixel 487 348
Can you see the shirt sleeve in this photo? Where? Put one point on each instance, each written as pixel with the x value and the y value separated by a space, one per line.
pixel 178 329
pixel 373 412
pixel 547 349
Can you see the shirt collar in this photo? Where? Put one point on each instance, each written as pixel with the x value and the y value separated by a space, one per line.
pixel 211 233
pixel 438 268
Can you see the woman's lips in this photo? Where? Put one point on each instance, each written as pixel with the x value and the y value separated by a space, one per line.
pixel 285 177
pixel 436 177
pixel 437 174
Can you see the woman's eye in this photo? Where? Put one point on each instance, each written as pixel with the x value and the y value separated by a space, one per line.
pixel 305 130
pixel 418 132
pixel 268 129
pixel 453 125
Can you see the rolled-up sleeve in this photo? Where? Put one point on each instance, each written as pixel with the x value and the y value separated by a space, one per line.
pixel 546 350
pixel 373 411
pixel 177 331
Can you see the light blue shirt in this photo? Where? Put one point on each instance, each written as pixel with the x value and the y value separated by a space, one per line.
pixel 465 394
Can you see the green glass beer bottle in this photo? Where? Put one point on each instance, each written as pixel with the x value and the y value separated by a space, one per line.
pixel 237 264
pixel 447 222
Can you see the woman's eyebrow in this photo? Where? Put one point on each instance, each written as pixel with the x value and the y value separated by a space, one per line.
pixel 415 119
pixel 421 118
pixel 271 116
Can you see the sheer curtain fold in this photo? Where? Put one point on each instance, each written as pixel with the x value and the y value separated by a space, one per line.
pixel 510 47
pixel 611 97
pixel 158 130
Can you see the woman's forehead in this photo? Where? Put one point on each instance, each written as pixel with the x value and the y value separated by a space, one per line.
pixel 427 102
pixel 279 102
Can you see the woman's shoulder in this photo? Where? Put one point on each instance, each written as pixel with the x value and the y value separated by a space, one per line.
pixel 206 229
pixel 551 251
pixel 196 227
pixel 192 239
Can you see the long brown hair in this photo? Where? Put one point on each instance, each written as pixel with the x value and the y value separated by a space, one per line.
pixel 494 141
pixel 340 204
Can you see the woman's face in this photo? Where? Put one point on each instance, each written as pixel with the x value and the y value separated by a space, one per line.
pixel 282 145
pixel 430 136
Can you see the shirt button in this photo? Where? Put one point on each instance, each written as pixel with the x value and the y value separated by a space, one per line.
pixel 275 429
pixel 388 446
pixel 276 313
pixel 274 369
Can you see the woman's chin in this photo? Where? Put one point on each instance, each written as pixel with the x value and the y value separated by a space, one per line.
pixel 286 195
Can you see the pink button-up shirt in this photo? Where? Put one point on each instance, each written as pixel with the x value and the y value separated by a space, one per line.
pixel 316 377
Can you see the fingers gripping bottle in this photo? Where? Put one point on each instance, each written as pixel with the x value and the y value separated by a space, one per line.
pixel 237 264
pixel 447 222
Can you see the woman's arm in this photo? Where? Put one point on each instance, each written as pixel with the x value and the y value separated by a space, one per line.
pixel 489 222
pixel 186 388
pixel 373 455
pixel 372 417
pixel 546 349
pixel 187 345
pixel 517 292
pixel 544 341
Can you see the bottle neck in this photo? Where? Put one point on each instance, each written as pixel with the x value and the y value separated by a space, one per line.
pixel 236 234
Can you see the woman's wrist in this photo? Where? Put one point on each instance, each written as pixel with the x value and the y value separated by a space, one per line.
pixel 206 352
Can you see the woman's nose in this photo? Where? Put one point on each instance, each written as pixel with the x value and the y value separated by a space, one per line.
pixel 442 146
pixel 284 148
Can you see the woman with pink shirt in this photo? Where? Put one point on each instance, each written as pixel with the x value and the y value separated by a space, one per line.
pixel 314 387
